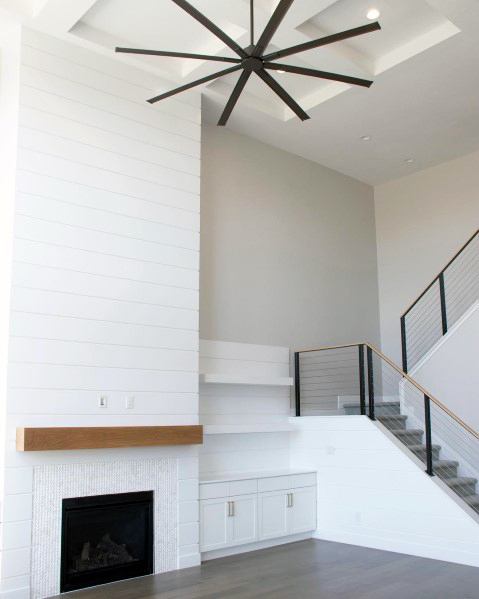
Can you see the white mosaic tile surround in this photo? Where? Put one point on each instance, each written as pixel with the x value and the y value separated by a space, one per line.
pixel 52 483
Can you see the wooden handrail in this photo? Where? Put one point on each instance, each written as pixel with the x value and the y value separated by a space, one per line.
pixel 440 273
pixel 404 375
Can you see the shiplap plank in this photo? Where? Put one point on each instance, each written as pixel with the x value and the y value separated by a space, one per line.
pixel 116 182
pixel 182 151
pixel 243 367
pixel 96 73
pixel 101 286
pixel 54 402
pixel 76 236
pixel 86 354
pixel 34 252
pixel 68 128
pixel 92 308
pixel 68 376
pixel 108 64
pixel 45 326
pixel 227 350
pixel 138 110
pixel 50 144
pixel 108 206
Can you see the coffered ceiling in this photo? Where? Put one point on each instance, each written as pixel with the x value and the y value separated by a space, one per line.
pixel 423 108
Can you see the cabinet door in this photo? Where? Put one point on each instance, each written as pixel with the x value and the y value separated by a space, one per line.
pixel 272 518
pixel 302 513
pixel 213 524
pixel 243 522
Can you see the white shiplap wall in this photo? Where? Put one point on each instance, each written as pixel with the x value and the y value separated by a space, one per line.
pixel 105 273
pixel 224 404
pixel 371 493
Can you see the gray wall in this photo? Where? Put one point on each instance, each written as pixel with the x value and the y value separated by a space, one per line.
pixel 422 221
pixel 288 248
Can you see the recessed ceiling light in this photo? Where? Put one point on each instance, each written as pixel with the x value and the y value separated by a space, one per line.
pixel 373 13
pixel 281 72
pixel 409 161
pixel 365 138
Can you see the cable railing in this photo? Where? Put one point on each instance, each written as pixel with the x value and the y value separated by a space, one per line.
pixel 357 379
pixel 441 304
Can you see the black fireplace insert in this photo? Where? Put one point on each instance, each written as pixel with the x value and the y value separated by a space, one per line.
pixel 106 538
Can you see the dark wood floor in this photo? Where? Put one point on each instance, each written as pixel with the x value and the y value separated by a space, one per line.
pixel 306 570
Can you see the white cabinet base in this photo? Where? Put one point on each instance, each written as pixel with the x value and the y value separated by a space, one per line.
pixel 208 555
pixel 249 512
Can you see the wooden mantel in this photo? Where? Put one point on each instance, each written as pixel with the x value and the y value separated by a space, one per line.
pixel 104 437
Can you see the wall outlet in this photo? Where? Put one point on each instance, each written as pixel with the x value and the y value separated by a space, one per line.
pixel 130 402
pixel 103 401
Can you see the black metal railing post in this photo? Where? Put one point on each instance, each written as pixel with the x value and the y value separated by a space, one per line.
pixel 372 414
pixel 442 293
pixel 362 382
pixel 404 343
pixel 297 384
pixel 427 424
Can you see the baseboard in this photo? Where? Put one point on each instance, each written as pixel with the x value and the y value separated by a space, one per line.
pixel 189 561
pixel 208 555
pixel 397 546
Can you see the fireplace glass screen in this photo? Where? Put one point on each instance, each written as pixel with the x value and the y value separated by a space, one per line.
pixel 106 538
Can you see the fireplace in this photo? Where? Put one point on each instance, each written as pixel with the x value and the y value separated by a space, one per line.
pixel 106 538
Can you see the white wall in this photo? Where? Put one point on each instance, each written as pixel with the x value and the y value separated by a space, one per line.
pixel 371 494
pixel 10 39
pixel 105 273
pixel 421 222
pixel 288 253
pixel 449 371
pixel 232 405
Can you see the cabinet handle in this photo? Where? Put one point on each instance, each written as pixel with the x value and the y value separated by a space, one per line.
pixel 232 508
pixel 292 500
pixel 229 509
pixel 289 500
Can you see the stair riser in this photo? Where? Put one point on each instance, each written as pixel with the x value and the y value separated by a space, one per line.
pixel 421 454
pixel 410 438
pixel 393 423
pixel 379 411
pixel 446 471
pixel 464 490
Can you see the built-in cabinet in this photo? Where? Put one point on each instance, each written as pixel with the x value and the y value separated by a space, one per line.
pixel 238 512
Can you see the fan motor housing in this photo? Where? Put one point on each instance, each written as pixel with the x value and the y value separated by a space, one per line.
pixel 252 64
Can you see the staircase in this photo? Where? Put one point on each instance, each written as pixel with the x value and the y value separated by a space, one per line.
pixel 358 379
pixel 389 415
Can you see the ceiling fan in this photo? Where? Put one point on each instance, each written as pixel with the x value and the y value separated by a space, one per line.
pixel 254 60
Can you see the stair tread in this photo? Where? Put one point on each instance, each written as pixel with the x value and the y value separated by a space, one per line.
pixel 422 447
pixel 377 404
pixel 392 417
pixel 458 480
pixel 444 463
pixel 407 431
pixel 472 499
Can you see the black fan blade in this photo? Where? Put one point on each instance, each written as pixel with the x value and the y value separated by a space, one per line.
pixel 272 26
pixel 245 75
pixel 315 73
pixel 177 54
pixel 192 11
pixel 194 84
pixel 323 41
pixel 283 94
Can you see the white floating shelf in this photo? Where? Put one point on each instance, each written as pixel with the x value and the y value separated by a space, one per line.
pixel 229 429
pixel 237 379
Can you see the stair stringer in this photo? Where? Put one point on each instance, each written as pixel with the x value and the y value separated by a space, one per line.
pixel 434 479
